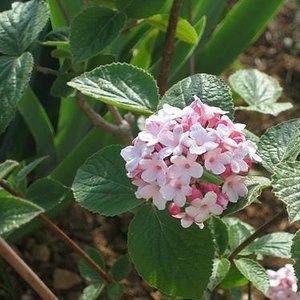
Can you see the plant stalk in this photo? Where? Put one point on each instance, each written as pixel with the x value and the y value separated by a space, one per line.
pixel 168 47
pixel 25 272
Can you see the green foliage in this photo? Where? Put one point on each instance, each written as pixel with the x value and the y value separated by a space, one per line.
pixel 296 254
pixel 101 184
pixel 184 30
pixel 92 292
pixel 85 41
pixel 14 77
pixel 121 85
pixel 121 268
pixel 220 233
pixel 259 90
pixel 286 185
pixel 162 251
pixel 115 291
pixel 279 144
pixel 20 26
pixel 137 9
pixel 209 88
pixel 254 272
pixel 15 212
pixel 6 167
pixel 220 270
pixel 233 279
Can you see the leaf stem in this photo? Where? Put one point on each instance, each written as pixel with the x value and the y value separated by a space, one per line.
pixel 45 70
pixel 25 272
pixel 168 47
pixel 72 244
pixel 259 232
pixel 122 130
pixel 64 11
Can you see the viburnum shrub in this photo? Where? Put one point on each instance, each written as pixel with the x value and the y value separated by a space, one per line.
pixel 174 160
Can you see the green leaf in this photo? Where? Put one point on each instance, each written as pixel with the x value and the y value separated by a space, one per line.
pixel 220 270
pixel 280 143
pixel 93 29
pixel 22 174
pixel 121 85
pixel 115 291
pixel 21 25
pixel 211 90
pixel 184 30
pixel 224 47
pixel 259 90
pixel 233 279
pixel 137 9
pixel 254 272
pixel 286 185
pixel 121 268
pixel 46 193
pixel 296 255
pixel 255 185
pixel 101 184
pixel 6 167
pixel 15 212
pixel 220 233
pixel 277 244
pixel 14 77
pixel 175 260
pixel 92 292
pixel 86 270
pixel 60 88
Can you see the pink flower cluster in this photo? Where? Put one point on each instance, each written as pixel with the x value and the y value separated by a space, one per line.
pixel 283 284
pixel 172 158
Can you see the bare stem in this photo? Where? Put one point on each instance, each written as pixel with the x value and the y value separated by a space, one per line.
pixel 64 237
pixel 259 232
pixel 249 290
pixel 116 114
pixel 64 11
pixel 122 130
pixel 25 272
pixel 168 47
pixel 45 70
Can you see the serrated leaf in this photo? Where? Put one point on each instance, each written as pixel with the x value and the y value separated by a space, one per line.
pixel 210 89
pixel 46 193
pixel 93 29
pixel 92 292
pixel 14 77
pixel 233 279
pixel 286 185
pixel 121 268
pixel 15 212
pixel 115 291
pixel 220 270
pixel 101 184
pixel 21 25
pixel 255 185
pixel 280 143
pixel 175 260
pixel 184 30
pixel 268 108
pixel 22 174
pixel 220 233
pixel 86 270
pixel 6 167
pixel 254 272
pixel 277 244
pixel 137 9
pixel 120 85
pixel 296 255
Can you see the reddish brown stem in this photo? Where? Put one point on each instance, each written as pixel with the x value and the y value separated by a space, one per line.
pixel 168 48
pixel 63 11
pixel 25 272
pixel 64 237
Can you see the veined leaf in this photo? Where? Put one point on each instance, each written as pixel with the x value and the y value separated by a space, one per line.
pixel 220 270
pixel 21 25
pixel 259 90
pixel 92 292
pixel 296 255
pixel 14 77
pixel 279 144
pixel 220 233
pixel 286 185
pixel 120 85
pixel 101 184
pixel 93 29
pixel 184 30
pixel 121 268
pixel 115 291
pixel 6 167
pixel 163 252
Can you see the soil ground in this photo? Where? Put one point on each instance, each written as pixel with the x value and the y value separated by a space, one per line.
pixel 277 53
